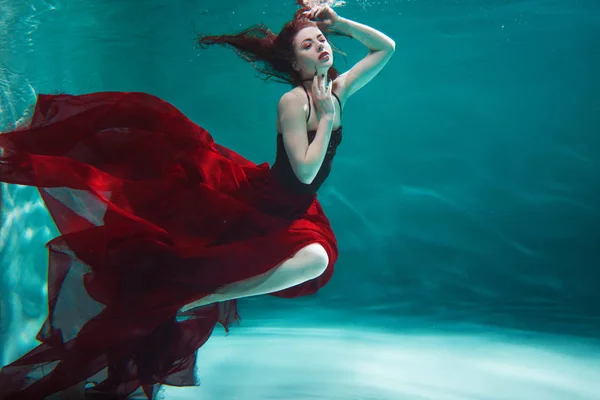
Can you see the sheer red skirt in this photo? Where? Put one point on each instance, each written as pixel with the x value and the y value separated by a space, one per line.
pixel 153 214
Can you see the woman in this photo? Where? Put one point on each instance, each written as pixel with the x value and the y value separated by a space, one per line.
pixel 157 221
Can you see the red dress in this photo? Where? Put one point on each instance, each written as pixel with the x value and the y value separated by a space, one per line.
pixel 153 215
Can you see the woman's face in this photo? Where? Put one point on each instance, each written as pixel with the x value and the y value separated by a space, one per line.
pixel 313 52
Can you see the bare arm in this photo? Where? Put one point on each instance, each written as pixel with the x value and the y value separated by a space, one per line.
pixel 305 159
pixel 381 48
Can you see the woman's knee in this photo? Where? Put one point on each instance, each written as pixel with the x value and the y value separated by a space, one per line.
pixel 316 258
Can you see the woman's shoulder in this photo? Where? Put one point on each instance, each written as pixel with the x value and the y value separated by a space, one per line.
pixel 290 106
pixel 291 98
pixel 295 92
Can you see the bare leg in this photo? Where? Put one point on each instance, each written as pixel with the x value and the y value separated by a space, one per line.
pixel 308 263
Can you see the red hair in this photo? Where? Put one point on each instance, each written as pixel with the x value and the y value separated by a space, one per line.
pixel 271 55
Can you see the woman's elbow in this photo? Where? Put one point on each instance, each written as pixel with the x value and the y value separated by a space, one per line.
pixel 305 174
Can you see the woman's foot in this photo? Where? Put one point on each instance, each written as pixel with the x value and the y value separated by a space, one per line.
pixel 206 300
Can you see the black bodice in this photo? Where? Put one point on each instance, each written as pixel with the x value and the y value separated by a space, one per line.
pixel 285 174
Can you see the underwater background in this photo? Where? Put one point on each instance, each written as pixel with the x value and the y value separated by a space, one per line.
pixel 465 196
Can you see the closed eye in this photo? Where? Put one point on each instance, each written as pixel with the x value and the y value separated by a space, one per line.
pixel 307 42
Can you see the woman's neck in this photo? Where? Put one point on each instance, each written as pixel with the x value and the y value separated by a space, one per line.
pixel 304 82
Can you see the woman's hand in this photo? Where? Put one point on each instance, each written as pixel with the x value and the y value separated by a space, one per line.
pixel 324 15
pixel 321 91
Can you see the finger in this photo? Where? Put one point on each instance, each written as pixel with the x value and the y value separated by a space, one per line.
pixel 313 13
pixel 322 85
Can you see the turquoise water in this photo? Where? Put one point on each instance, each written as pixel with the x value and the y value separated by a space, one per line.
pixel 465 196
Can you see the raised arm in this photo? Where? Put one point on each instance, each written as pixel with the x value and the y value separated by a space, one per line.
pixel 381 48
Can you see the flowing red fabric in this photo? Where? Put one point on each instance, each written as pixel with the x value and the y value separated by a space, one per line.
pixel 152 214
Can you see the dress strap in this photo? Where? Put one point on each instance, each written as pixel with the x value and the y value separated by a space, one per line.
pixel 307 98
pixel 339 102
pixel 309 107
